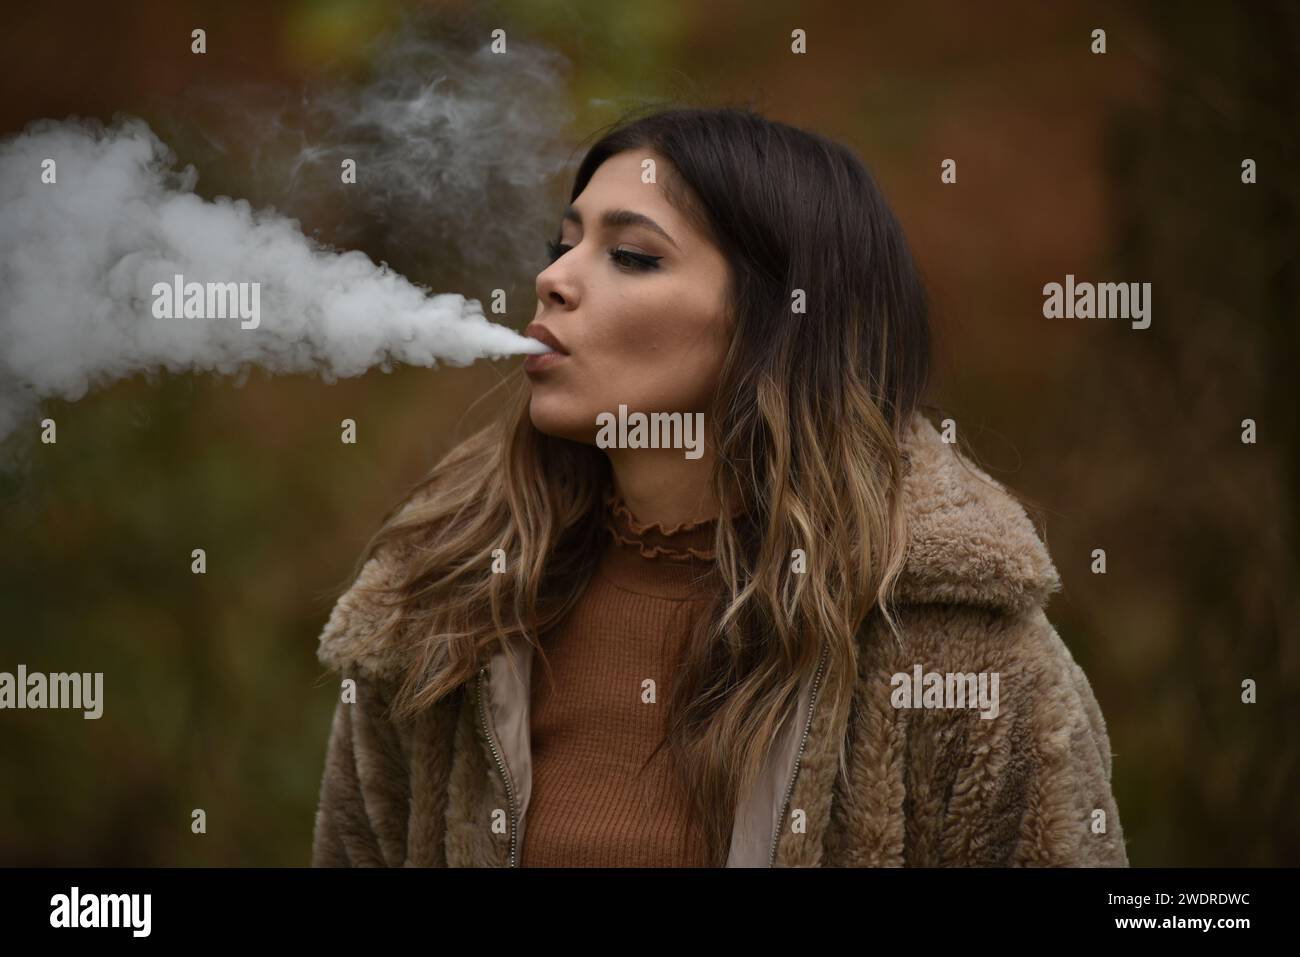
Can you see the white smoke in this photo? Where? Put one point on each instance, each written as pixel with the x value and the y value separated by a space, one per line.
pixel 79 257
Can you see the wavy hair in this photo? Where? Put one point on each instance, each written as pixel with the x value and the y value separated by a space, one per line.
pixel 807 421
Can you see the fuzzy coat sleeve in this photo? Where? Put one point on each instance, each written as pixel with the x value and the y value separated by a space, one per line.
pixel 362 810
pixel 1073 755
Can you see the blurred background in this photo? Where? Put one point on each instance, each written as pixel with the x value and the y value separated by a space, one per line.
pixel 1117 167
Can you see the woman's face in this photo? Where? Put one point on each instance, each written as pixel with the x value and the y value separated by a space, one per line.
pixel 641 313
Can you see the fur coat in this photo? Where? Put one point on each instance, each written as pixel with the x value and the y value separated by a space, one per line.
pixel 1017 774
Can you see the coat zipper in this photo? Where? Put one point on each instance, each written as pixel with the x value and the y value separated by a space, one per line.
pixel 794 772
pixel 501 766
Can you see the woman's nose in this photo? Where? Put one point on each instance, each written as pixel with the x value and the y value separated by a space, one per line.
pixel 556 285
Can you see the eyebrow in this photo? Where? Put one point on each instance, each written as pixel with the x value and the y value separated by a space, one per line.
pixel 622 217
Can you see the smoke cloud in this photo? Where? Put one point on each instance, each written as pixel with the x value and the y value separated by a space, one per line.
pixel 79 256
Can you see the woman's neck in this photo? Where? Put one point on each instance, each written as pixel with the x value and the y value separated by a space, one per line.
pixel 663 486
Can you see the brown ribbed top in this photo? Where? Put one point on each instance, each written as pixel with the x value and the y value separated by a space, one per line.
pixel 591 805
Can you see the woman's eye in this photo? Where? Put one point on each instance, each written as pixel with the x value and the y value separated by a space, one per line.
pixel 624 257
pixel 633 260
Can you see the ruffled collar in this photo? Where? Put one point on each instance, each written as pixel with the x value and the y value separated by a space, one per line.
pixel 682 543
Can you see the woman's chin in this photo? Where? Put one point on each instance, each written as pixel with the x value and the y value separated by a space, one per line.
pixel 557 422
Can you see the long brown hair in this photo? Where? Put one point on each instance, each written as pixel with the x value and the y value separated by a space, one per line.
pixel 807 418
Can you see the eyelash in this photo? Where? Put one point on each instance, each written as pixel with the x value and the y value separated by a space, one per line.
pixel 629 260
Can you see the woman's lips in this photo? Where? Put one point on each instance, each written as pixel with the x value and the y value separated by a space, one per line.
pixel 538 362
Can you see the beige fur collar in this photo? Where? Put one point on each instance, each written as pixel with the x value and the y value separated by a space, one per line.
pixel 972 543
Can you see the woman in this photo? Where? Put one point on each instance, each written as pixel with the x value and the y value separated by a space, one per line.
pixel 815 638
